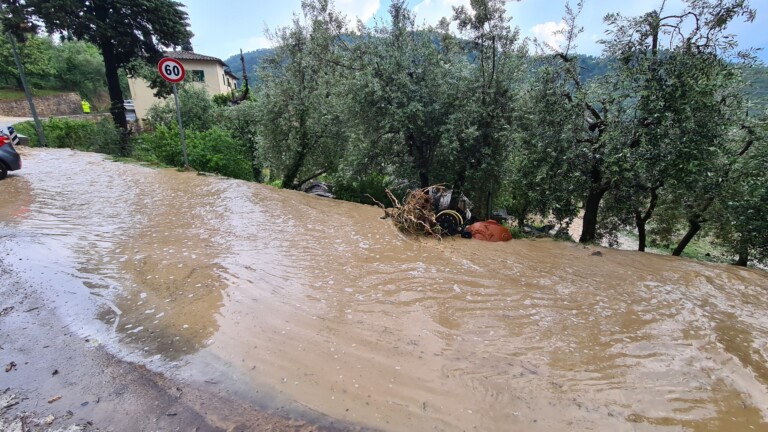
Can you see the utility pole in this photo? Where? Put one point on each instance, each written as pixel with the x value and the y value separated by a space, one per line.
pixel 27 93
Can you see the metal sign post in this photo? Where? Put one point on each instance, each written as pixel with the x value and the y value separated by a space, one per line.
pixel 181 127
pixel 27 93
pixel 173 71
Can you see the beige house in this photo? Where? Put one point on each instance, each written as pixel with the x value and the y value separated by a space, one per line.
pixel 206 71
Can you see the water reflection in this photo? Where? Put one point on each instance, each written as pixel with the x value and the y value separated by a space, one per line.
pixel 16 198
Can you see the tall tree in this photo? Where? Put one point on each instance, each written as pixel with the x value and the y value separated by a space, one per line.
pixel 300 97
pixel 497 59
pixel 592 113
pixel 122 30
pixel 543 174
pixel 404 92
pixel 739 219
pixel 35 52
pixel 79 67
pixel 684 102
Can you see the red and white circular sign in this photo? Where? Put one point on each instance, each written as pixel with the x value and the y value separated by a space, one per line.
pixel 171 70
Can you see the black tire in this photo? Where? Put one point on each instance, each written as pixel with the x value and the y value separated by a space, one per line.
pixel 3 171
pixel 449 221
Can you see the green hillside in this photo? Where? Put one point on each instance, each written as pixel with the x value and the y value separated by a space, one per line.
pixel 252 61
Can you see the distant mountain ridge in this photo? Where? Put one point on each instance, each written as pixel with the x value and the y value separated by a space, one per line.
pixel 591 67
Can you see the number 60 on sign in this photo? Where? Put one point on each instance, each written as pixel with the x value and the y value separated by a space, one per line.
pixel 171 70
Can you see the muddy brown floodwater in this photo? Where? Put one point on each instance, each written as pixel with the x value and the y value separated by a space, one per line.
pixel 289 300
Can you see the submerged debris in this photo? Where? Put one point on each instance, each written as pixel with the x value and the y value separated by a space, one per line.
pixel 416 215
pixel 430 211
pixel 8 400
pixel 317 188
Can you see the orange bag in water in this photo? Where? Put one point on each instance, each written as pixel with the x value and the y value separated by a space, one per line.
pixel 489 231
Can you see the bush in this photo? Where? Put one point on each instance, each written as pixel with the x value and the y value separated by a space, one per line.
pixel 163 146
pixel 517 232
pixel 221 100
pixel 196 110
pixel 216 151
pixel 211 151
pixel 100 136
pixel 241 122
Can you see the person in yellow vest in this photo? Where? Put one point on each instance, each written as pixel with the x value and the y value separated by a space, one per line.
pixel 86 107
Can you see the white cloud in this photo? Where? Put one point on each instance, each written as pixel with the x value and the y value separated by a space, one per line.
pixel 363 9
pixel 545 33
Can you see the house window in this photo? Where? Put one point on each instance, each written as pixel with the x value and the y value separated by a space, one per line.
pixel 197 75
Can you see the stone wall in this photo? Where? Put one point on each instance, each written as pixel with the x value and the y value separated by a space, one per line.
pixel 47 106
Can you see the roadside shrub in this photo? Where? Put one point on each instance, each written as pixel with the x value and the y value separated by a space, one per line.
pixel 163 146
pixel 221 100
pixel 196 110
pixel 101 136
pixel 217 152
pixel 212 151
pixel 241 122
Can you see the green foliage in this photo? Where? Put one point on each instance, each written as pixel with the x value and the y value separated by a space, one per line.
pixel 483 125
pixel 79 67
pixel 68 66
pixel 405 102
pixel 35 54
pixel 241 121
pixel 196 110
pixel 366 189
pixel 739 217
pixel 162 146
pixel 217 152
pixel 221 100
pixel 301 113
pixel 212 151
pixel 517 232
pixel 97 136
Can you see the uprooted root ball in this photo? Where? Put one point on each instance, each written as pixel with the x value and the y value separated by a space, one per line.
pixel 416 215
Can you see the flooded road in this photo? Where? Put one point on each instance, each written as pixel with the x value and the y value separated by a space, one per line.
pixel 319 309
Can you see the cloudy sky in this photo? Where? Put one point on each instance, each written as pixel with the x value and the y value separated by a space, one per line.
pixel 223 27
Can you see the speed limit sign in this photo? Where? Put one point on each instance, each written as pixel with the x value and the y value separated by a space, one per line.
pixel 171 70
